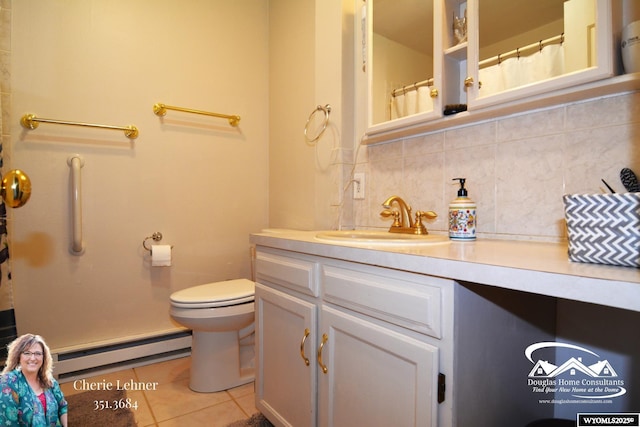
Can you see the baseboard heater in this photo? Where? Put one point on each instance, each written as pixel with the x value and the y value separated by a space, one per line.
pixel 111 357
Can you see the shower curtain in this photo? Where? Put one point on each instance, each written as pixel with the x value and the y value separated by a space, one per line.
pixel 4 247
pixel 519 71
pixel 412 101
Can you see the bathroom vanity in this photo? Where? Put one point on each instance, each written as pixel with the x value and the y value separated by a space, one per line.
pixel 436 335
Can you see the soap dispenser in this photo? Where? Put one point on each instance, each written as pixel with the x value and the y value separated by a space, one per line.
pixel 462 215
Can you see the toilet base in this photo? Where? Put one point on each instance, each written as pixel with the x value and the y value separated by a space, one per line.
pixel 215 362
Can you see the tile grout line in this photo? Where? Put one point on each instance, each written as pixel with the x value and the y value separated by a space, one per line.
pixel 146 399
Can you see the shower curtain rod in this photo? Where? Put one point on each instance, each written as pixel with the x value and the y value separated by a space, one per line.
pixel 414 86
pixel 498 58
pixel 30 121
pixel 161 110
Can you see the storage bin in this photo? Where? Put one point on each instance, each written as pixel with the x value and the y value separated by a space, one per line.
pixel 604 228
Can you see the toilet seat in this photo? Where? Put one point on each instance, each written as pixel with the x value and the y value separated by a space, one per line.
pixel 216 294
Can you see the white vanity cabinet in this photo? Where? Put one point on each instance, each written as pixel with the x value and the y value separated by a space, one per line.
pixel 286 337
pixel 374 339
pixel 430 337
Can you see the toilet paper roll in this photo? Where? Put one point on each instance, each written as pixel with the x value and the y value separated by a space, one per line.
pixel 160 255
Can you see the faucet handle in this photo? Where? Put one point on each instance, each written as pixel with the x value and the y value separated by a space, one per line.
pixel 396 216
pixel 426 214
pixel 419 228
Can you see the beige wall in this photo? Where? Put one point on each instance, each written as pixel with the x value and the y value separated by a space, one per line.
pixel 200 182
pixel 309 42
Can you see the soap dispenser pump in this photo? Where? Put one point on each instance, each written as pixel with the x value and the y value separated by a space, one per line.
pixel 462 215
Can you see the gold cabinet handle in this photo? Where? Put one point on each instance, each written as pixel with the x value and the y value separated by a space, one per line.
pixel 325 338
pixel 434 93
pixel 468 82
pixel 304 338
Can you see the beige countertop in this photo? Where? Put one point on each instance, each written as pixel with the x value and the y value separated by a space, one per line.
pixel 541 268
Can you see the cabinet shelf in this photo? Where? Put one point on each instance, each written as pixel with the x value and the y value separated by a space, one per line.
pixel 457 52
pixel 614 85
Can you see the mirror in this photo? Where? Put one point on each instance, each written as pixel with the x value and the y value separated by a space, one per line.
pixel 523 42
pixel 402 57
pixel 16 188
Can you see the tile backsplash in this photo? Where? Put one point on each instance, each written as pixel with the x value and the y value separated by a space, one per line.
pixel 517 167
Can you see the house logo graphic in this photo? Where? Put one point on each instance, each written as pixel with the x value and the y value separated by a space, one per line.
pixel 584 374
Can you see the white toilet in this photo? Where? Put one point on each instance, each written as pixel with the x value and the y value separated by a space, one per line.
pixel 221 316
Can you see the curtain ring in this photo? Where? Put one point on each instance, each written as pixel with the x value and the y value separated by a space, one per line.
pixel 326 110
pixel 540 45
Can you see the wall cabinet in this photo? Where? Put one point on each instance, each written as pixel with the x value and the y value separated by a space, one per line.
pixel 363 350
pixel 573 44
pixel 505 55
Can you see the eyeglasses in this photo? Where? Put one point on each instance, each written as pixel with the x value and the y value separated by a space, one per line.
pixel 27 354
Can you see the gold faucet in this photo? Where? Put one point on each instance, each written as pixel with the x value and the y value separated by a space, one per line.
pixel 402 220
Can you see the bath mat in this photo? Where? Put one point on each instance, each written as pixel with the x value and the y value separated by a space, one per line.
pixel 256 420
pixel 100 408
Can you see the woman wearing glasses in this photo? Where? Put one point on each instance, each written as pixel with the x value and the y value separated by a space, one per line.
pixel 29 395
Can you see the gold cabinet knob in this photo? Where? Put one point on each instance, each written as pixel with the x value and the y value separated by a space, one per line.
pixel 468 82
pixel 434 93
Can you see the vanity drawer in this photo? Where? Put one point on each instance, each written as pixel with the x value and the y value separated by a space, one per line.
pixel 399 298
pixel 294 273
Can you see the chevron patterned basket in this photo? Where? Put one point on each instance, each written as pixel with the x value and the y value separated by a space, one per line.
pixel 604 228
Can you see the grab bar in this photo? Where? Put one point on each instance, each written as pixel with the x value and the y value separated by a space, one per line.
pixel 30 121
pixel 75 163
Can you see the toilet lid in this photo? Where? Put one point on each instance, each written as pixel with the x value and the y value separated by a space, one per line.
pixel 216 294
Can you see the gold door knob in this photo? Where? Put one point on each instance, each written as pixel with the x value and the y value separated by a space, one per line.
pixel 15 188
pixel 468 82
pixel 304 339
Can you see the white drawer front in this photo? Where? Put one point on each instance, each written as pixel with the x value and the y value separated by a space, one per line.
pixel 413 305
pixel 293 273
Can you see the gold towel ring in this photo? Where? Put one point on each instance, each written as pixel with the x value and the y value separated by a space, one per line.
pixel 326 110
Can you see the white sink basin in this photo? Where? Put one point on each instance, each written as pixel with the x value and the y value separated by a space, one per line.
pixel 372 237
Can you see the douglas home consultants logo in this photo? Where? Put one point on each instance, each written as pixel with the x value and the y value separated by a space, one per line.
pixel 582 375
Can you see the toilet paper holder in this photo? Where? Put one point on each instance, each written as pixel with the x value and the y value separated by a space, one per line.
pixel 157 236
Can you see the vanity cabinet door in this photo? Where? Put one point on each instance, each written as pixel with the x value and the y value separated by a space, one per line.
pixel 374 376
pixel 285 335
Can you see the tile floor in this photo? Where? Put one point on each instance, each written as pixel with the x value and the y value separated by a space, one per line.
pixel 173 403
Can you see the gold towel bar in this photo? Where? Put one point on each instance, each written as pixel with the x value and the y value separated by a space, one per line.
pixel 30 121
pixel 161 110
